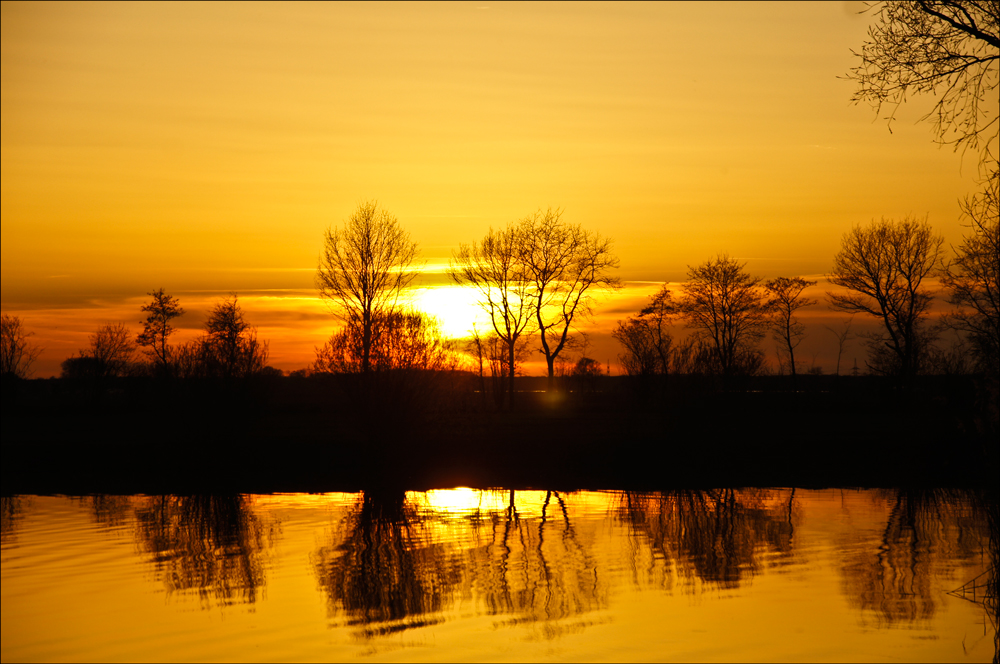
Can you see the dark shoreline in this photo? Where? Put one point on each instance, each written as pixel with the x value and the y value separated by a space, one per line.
pixel 298 436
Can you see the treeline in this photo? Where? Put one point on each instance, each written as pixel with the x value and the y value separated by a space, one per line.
pixel 538 279
pixel 228 349
pixel 882 268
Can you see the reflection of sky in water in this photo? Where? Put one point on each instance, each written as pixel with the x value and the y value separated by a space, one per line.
pixel 469 574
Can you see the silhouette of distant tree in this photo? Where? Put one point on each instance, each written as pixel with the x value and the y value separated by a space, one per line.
pixel 973 277
pixel 585 373
pixel 230 348
pixel 157 328
pixel 363 269
pixel 494 267
pixel 566 265
pixel 17 353
pixel 112 349
pixel 883 266
pixel 947 48
pixel 400 340
pixel 785 299
pixel 843 336
pixel 728 311
pixel 646 339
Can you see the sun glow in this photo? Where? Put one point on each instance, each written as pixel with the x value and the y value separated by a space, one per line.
pixel 455 308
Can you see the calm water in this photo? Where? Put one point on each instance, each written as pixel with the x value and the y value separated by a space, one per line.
pixel 486 575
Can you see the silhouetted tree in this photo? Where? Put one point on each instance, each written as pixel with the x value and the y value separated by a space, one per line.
pixel 883 266
pixel 785 299
pixel 157 328
pixel 727 309
pixel 17 353
pixel 230 348
pixel 494 267
pixel 363 269
pixel 973 277
pixel 646 339
pixel 80 367
pixel 585 373
pixel 948 48
pixel 111 348
pixel 400 340
pixel 566 265
pixel 843 336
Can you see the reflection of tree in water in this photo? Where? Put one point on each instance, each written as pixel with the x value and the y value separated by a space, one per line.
pixel 538 569
pixel 214 545
pixel 716 536
pixel 11 511
pixel 109 511
pixel 926 529
pixel 387 567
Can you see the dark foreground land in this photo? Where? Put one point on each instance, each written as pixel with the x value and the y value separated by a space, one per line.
pixel 324 433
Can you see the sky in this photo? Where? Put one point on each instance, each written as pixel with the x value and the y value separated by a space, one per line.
pixel 205 148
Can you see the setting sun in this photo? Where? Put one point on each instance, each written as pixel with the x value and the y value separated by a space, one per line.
pixel 456 309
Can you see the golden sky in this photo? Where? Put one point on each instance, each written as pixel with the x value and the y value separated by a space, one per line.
pixel 204 148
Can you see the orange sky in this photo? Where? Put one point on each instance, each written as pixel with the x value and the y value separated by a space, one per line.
pixel 205 148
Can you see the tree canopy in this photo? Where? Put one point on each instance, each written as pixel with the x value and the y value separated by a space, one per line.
pixel 946 48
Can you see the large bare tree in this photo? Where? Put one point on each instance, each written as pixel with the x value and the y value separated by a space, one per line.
pixel 973 277
pixel 883 266
pixel 567 267
pixel 496 269
pixel 363 270
pixel 727 309
pixel 947 48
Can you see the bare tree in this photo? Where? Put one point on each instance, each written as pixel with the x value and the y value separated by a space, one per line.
pixel 727 309
pixel 17 353
pixel 973 277
pixel 785 299
pixel 363 269
pixel 404 340
pixel 494 267
pixel 947 48
pixel 883 265
pixel 567 266
pixel 157 328
pixel 646 338
pixel 111 349
pixel 842 336
pixel 230 348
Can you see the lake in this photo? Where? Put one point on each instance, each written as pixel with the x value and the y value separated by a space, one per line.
pixel 474 575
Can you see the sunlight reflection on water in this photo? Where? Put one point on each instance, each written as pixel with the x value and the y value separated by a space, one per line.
pixel 463 574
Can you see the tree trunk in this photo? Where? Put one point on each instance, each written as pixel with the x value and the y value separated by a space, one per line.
pixel 510 368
